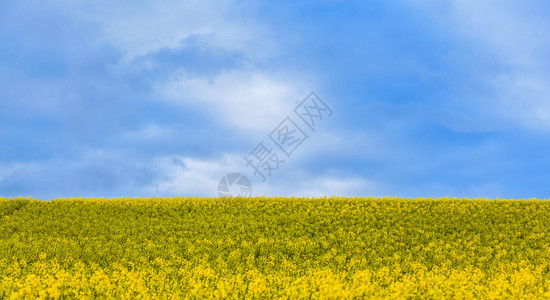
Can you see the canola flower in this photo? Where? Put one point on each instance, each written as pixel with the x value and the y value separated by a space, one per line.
pixel 279 247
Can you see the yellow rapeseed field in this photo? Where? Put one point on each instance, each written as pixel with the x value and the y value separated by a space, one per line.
pixel 285 248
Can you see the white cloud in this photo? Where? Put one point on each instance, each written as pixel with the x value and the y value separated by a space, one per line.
pixel 188 176
pixel 150 132
pixel 333 186
pixel 515 31
pixel 154 25
pixel 245 100
pixel 525 98
pixel 515 36
pixel 248 99
pixel 309 185
pixel 7 170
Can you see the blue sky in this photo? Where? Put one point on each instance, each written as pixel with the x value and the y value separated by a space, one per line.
pixel 143 98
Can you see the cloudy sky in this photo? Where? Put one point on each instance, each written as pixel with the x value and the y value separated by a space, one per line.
pixel 164 98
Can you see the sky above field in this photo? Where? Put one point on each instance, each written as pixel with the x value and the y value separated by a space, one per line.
pixel 164 98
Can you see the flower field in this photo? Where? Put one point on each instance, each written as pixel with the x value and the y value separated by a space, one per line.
pixel 260 247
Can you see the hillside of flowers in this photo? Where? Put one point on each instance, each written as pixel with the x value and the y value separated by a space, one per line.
pixel 274 247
